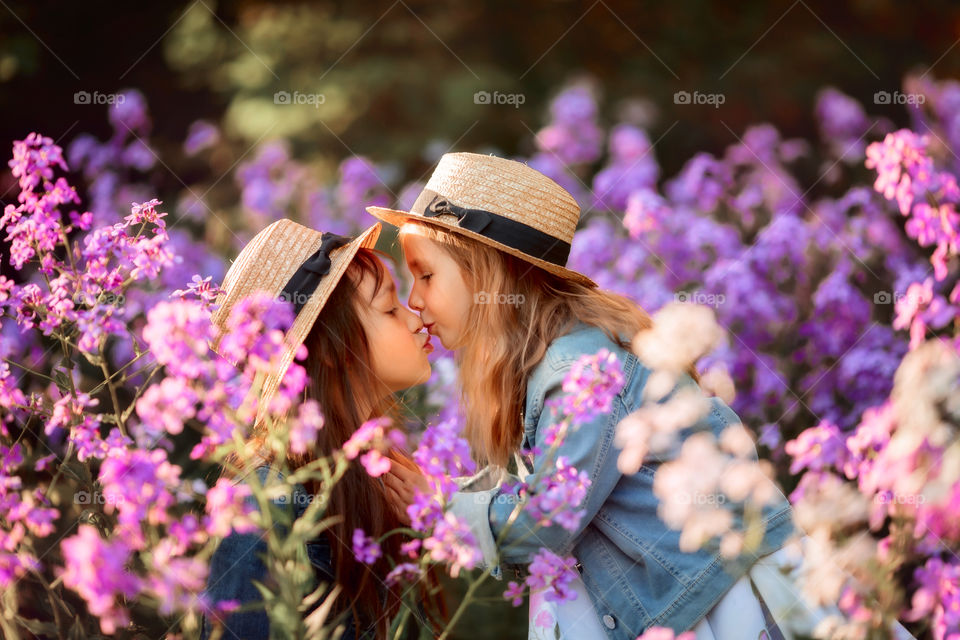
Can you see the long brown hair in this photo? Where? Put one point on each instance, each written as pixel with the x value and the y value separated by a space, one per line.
pixel 506 341
pixel 339 377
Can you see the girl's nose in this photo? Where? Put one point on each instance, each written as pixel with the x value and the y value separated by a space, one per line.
pixel 414 301
pixel 415 322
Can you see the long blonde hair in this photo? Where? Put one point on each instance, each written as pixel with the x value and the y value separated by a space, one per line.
pixel 507 340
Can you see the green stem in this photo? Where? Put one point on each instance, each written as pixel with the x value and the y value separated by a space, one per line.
pixel 113 393
pixel 466 600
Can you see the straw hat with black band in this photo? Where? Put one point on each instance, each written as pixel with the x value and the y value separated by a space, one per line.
pixel 502 203
pixel 295 263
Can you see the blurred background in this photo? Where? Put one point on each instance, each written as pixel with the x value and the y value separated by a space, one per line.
pixel 237 113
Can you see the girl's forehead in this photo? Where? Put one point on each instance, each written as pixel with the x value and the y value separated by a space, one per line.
pixel 418 245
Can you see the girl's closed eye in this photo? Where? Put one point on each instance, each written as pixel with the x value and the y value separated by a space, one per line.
pixel 392 311
pixel 426 276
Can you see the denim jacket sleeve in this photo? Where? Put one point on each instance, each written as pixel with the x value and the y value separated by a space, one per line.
pixel 235 565
pixel 587 446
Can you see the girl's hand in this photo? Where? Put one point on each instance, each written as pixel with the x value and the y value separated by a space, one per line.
pixel 402 481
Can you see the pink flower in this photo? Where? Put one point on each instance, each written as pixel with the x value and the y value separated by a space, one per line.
pixel 514 593
pixel 97 570
pixel 375 463
pixel 228 509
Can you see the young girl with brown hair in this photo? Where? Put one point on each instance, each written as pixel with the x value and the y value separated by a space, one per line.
pixel 362 346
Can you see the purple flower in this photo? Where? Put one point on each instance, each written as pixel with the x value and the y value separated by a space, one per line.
pixel 404 572
pixel 129 112
pixel 453 543
pixel 201 135
pixel 553 574
pixel 137 486
pixel 843 124
pixel 938 595
pixel 556 497
pixel 202 288
pixel 366 549
pixel 442 451
pixel 163 408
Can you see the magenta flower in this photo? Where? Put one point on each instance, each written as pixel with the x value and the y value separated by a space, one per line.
pixel 97 570
pixel 592 383
pixel 137 486
pixel 818 448
pixel 177 334
pixel 514 593
pixel 376 434
pixel 303 430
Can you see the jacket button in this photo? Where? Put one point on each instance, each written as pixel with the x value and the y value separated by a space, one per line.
pixel 609 622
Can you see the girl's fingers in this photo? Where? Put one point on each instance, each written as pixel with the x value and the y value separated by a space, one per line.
pixel 398 487
pixel 401 471
pixel 399 506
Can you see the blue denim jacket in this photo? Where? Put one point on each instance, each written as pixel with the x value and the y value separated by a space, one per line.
pixel 629 560
pixel 238 561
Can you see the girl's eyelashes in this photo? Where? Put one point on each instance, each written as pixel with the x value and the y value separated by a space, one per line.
pixel 392 311
pixel 426 276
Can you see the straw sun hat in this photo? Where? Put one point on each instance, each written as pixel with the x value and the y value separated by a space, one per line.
pixel 292 262
pixel 502 203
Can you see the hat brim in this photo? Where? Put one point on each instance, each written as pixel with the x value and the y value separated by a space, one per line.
pixel 340 260
pixel 397 218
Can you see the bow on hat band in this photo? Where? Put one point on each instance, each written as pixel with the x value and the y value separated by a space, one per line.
pixel 307 278
pixel 511 233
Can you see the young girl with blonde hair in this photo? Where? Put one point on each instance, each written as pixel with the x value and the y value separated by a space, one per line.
pixel 487 243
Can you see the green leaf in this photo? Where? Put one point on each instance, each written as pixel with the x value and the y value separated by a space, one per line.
pixel 38 627
pixel 63 381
